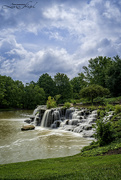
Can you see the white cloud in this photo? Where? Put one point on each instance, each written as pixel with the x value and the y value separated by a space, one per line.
pixel 29 65
pixel 57 37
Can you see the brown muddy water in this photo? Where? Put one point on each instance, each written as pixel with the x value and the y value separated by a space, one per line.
pixel 41 143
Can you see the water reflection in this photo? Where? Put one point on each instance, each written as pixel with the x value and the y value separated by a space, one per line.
pixel 17 145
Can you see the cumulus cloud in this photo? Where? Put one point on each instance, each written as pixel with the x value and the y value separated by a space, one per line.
pixel 57 36
pixel 23 64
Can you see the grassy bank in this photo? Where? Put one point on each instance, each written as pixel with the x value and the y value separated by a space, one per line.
pixel 75 167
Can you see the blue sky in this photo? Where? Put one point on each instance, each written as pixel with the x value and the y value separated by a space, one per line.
pixel 56 36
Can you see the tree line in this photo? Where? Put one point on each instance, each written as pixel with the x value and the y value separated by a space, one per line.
pixel 103 72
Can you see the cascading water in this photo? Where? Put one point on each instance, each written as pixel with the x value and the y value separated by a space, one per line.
pixel 56 115
pixel 69 112
pixel 35 119
pixel 79 121
pixel 47 119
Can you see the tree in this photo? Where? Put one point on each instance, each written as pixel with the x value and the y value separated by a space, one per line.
pixel 113 78
pixel 93 91
pixel 10 92
pixel 46 82
pixel 16 97
pixel 64 87
pixel 77 84
pixel 33 96
pixel 96 70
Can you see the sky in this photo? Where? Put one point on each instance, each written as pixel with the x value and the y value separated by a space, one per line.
pixel 51 36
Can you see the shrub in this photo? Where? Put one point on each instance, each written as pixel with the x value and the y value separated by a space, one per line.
pixel 73 101
pixel 104 132
pixel 101 113
pixel 109 107
pixel 67 105
pixel 57 97
pixel 51 103
pixel 117 109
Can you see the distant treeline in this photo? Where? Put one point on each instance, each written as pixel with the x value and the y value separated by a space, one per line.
pixel 103 71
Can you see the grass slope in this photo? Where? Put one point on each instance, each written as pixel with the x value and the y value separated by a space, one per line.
pixel 73 167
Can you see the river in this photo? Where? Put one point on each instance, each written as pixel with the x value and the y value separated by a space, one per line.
pixel 41 143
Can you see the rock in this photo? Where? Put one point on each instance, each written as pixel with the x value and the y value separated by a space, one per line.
pixel 28 127
pixel 27 121
pixel 88 134
pixel 87 127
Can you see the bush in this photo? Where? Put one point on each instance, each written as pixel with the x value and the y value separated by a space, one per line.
pixel 101 113
pixel 73 101
pixel 51 103
pixel 109 107
pixel 104 132
pixel 67 105
pixel 117 109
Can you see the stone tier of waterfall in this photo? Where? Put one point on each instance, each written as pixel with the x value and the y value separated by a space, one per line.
pixel 75 120
pixel 78 121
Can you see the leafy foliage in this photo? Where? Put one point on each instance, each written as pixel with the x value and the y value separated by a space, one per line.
pixel 109 107
pixel 96 70
pixel 101 71
pixel 14 94
pixel 57 97
pixel 113 78
pixel 67 105
pixel 46 82
pixel 117 109
pixel 64 87
pixel 78 83
pixel 33 96
pixel 51 103
pixel 93 91
pixel 94 149
pixel 104 132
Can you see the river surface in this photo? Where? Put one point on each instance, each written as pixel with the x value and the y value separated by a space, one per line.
pixel 41 143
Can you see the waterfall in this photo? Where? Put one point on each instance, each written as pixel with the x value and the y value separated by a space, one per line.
pixel 69 112
pixel 35 112
pixel 49 117
pixel 46 119
pixel 75 120
pixel 56 115
pixel 35 120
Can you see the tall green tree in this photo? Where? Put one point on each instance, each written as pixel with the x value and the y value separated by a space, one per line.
pixel 64 87
pixel 96 70
pixel 33 96
pixel 3 92
pixel 16 97
pixel 113 78
pixel 77 84
pixel 10 92
pixel 47 83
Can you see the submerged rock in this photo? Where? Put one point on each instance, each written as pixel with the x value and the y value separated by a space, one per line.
pixel 27 121
pixel 28 127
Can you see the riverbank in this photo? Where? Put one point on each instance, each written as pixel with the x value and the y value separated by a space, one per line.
pixel 73 167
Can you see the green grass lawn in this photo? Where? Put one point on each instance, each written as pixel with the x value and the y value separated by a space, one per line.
pixel 73 167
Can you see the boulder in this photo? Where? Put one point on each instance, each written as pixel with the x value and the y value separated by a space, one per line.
pixel 28 127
